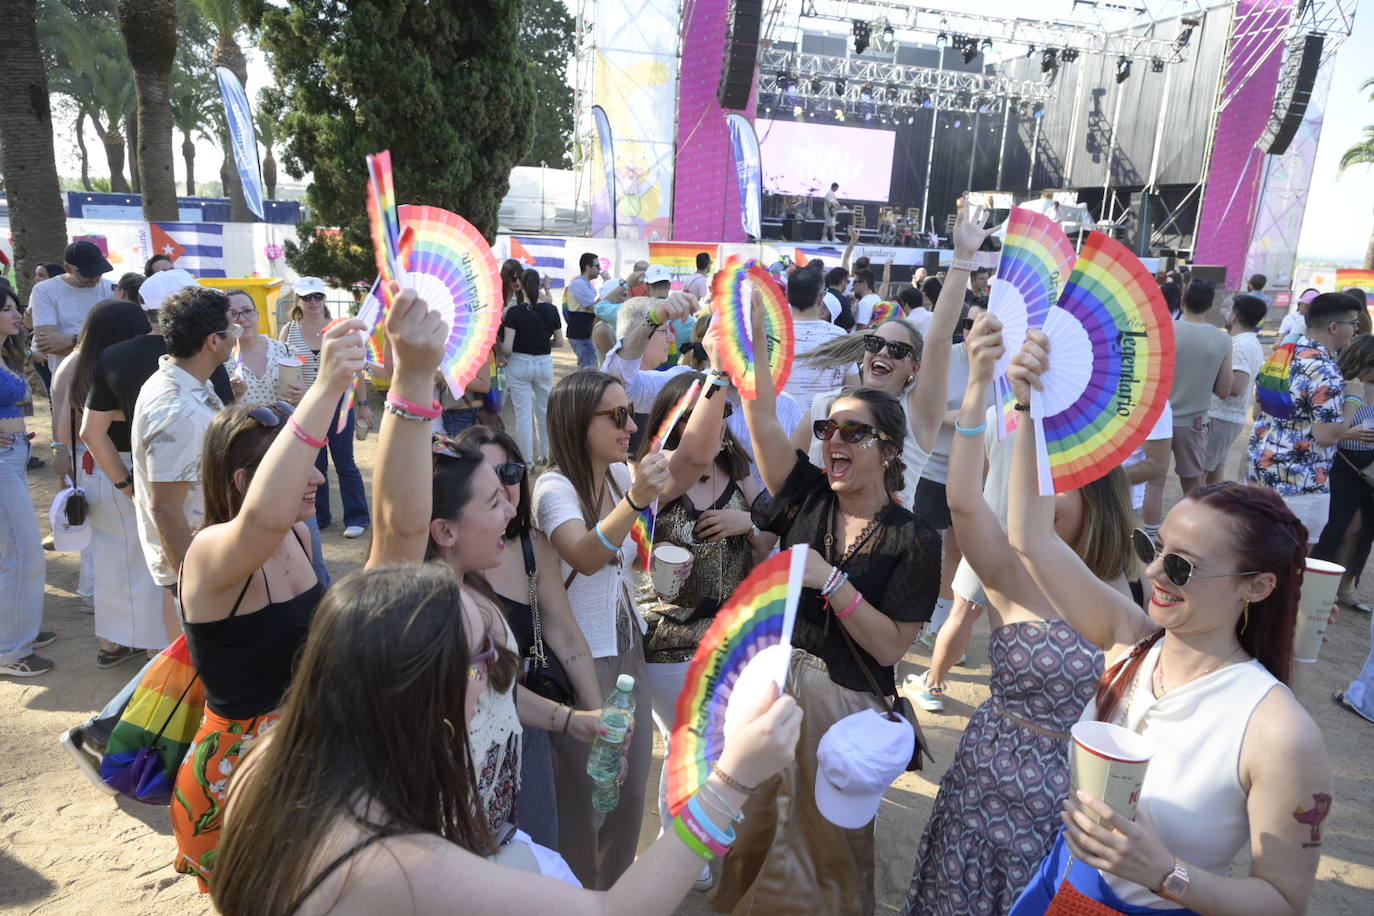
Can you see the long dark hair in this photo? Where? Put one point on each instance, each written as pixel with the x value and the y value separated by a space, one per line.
pixel 373 732
pixel 477 436
pixel 731 458
pixel 571 406
pixel 510 279
pixel 529 280
pixel 1266 533
pixel 109 322
pixel 889 418
pixel 451 485
pixel 12 347
pixel 234 441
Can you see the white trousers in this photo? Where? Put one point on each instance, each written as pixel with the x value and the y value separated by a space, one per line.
pixel 128 604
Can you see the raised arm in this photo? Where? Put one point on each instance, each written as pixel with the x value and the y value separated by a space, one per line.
pixel 699 443
pixel 1105 617
pixel 401 482
pixel 849 251
pixel 772 452
pixel 678 305
pixel 584 548
pixel 927 399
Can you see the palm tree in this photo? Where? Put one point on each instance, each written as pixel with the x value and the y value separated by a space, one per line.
pixel 194 104
pixel 150 35
pixel 227 16
pixel 265 120
pixel 27 160
pixel 1362 153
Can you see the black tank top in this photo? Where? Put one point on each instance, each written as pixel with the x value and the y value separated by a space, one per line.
pixel 246 662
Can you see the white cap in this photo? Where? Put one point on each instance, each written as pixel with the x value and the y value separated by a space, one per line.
pixel 657 273
pixel 307 285
pixel 162 284
pixel 858 758
pixel 64 536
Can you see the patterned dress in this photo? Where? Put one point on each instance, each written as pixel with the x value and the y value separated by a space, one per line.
pixel 997 812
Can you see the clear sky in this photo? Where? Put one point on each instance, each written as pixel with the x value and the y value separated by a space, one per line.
pixel 1340 212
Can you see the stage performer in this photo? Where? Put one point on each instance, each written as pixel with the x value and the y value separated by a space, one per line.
pixel 1203 677
pixel 832 208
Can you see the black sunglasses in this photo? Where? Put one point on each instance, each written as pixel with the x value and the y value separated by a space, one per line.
pixel 850 431
pixel 874 344
pixel 510 473
pixel 620 416
pixel 313 297
pixel 272 415
pixel 1177 569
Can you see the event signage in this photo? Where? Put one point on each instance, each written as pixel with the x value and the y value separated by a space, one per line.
pixel 749 172
pixel 242 138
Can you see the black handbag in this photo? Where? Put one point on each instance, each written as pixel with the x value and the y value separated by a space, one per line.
pixel 544 673
pixel 77 507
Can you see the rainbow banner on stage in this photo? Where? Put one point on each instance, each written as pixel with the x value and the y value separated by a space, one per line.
pixel 747 649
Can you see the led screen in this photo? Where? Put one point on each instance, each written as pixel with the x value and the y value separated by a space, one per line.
pixel 802 158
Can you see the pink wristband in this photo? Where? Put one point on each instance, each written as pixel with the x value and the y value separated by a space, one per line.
pixel 701 833
pixel 428 413
pixel 304 436
pixel 852 607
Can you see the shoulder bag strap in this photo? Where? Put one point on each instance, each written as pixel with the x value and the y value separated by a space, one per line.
pixel 868 676
pixel 71 446
pixel 532 578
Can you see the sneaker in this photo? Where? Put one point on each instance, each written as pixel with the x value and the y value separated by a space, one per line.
pixel 931 699
pixel 48 543
pixel 27 667
pixel 73 741
pixel 110 658
pixel 928 639
pixel 45 638
pixel 35 462
pixel 705 881
pixel 354 531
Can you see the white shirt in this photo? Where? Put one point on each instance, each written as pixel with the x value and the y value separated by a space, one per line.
pixel 595 599
pixel 1294 322
pixel 832 304
pixel 1247 355
pixel 808 381
pixel 1163 429
pixel 832 203
pixel 57 303
pixel 266 388
pixel 171 416
pixel 921 317
pixel 698 285
pixel 863 310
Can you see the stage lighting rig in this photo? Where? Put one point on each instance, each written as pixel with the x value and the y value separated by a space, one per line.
pixel 942 40
pixel 969 47
pixel 816 85
pixel 1123 69
pixel 1186 26
pixel 1068 55
pixel 1049 60
pixel 1156 65
pixel 839 88
pixel 862 35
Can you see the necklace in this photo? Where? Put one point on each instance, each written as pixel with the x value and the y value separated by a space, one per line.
pixel 858 542
pixel 1159 672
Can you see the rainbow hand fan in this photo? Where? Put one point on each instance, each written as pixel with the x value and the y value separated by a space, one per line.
pixel 1036 259
pixel 747 648
pixel 1111 367
pixel 383 222
pixel 884 312
pixel 674 414
pixel 731 296
pixel 1272 383
pixel 453 269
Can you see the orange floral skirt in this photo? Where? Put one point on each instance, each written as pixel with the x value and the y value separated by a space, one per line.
pixel 202 781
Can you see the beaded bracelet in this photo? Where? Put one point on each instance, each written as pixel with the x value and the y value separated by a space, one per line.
pixel 833 586
pixel 405 414
pixel 966 431
pixel 853 606
pixel 304 436
pixel 731 782
pixel 605 541
pixel 691 842
pixel 723 837
pixel 830 580
pixel 404 407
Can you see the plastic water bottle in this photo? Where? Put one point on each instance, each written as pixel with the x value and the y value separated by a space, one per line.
pixel 603 763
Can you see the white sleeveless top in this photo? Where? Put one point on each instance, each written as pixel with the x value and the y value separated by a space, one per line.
pixel 1192 794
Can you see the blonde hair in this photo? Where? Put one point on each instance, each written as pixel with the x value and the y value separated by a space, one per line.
pixel 1104 541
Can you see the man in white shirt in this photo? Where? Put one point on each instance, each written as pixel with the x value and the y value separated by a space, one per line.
pixel 864 298
pixel 699 284
pixel 1295 322
pixel 811 328
pixel 1229 415
pixel 832 207
pixel 60 304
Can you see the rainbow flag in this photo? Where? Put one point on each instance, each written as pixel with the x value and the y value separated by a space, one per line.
pixel 642 533
pixel 1272 383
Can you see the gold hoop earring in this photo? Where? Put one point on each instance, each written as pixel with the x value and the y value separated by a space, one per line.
pixel 452 733
pixel 1245 617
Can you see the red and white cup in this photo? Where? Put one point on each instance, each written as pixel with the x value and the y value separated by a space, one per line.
pixel 1109 763
pixel 672 566
pixel 1320 583
pixel 289 371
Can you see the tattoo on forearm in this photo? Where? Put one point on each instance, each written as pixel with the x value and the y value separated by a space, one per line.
pixel 1321 807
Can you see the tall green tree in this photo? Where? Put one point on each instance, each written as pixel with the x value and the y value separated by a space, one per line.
pixel 547 43
pixel 440 85
pixel 227 18
pixel 28 166
pixel 1362 153
pixel 150 34
pixel 195 106
pixel 265 117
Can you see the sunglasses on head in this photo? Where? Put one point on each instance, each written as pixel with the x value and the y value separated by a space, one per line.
pixel 479 663
pixel 620 416
pixel 850 431
pixel 510 473
pixel 271 416
pixel 1177 569
pixel 874 344
pixel 449 448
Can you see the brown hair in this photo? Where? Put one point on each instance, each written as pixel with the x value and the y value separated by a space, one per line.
pixel 480 435
pixel 1104 541
pixel 572 404
pixel 1357 360
pixel 234 440
pixel 373 732
pixel 848 349
pixel 731 458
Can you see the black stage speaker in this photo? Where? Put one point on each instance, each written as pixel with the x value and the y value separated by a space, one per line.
pixel 743 19
pixel 1213 275
pixel 930 260
pixel 1295 90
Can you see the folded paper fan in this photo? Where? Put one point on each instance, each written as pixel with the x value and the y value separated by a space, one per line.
pixel 1036 259
pixel 747 648
pixel 884 312
pixel 1111 367
pixel 1271 384
pixel 731 297
pixel 452 268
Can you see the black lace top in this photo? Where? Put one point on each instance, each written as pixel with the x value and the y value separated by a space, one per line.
pixel 897 570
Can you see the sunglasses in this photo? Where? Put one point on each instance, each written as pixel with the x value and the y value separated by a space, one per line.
pixel 313 297
pixel 479 664
pixel 272 415
pixel 510 473
pixel 620 416
pixel 1178 570
pixel 874 344
pixel 850 431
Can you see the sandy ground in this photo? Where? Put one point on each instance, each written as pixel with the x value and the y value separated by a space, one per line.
pixel 67 848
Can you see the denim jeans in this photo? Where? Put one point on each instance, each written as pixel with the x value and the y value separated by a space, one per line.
pixel 586 352
pixel 351 489
pixel 23 568
pixel 317 553
pixel 529 380
pixel 457 419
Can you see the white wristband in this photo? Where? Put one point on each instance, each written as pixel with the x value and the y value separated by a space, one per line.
pixel 961 264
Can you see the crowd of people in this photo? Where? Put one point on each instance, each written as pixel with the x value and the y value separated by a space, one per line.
pixel 424 724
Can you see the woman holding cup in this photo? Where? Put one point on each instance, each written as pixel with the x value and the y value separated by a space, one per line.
pixel 262 371
pixel 1201 677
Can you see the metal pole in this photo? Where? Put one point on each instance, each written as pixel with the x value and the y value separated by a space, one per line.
pixel 1002 144
pixel 1035 149
pixel 1108 198
pixel 930 157
pixel 973 149
pixel 1073 126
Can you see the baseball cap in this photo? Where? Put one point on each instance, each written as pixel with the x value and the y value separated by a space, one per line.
pixel 858 758
pixel 86 258
pixel 657 273
pixel 1308 296
pixel 162 284
pixel 307 285
pixel 66 537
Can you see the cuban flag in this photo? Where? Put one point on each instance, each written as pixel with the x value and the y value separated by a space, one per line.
pixel 195 247
pixel 544 253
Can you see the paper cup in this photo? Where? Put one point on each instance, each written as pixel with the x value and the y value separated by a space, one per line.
pixel 1319 586
pixel 1109 763
pixel 289 372
pixel 672 564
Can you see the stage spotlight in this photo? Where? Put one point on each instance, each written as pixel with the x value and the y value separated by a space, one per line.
pixel 816 85
pixel 1123 69
pixel 942 40
pixel 839 114
pixel 839 87
pixel 1156 65
pixel 958 123
pixel 1185 35
pixel 910 117
pixel 1068 55
pixel 797 112
pixel 1038 111
pixel 1048 60
pixel 862 33
pixel 987 44
pixel 1030 50
pixel 928 103
pixel 970 50
pixel 789 84
pixel 866 93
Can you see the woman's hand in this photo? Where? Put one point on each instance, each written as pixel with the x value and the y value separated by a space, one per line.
pixel 968 229
pixel 711 344
pixel 416 334
pixel 343 352
pixel 715 524
pixel 764 740
pixel 652 478
pixel 1123 848
pixel 1028 365
pixel 238 385
pixel 984 346
pixel 817 570
pixel 585 725
pixel 1358 434
pixel 292 394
